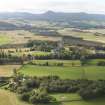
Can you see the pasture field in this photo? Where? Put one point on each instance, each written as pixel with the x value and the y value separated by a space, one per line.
pixel 75 99
pixel 7 70
pixel 94 61
pixel 4 39
pixel 100 101
pixel 85 35
pixel 71 67
pixel 102 31
pixel 90 72
pixel 69 63
pixel 66 96
pixel 21 36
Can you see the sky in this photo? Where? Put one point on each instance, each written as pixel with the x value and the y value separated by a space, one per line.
pixel 40 6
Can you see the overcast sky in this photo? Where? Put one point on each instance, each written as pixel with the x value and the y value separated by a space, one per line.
pixel 38 6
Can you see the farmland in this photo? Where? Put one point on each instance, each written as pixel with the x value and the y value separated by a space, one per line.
pixel 72 97
pixel 47 66
pixel 11 96
pixel 21 36
pixel 87 35
pixel 91 72
pixel 7 70
pixel 44 59
pixel 4 40
pixel 6 98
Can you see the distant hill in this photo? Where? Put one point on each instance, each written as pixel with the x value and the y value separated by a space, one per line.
pixel 50 15
pixel 73 19
pixel 7 26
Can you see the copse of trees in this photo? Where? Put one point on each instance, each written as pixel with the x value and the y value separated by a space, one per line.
pixel 36 89
pixel 37 96
pixel 42 45
pixel 94 90
pixel 46 63
pixel 7 58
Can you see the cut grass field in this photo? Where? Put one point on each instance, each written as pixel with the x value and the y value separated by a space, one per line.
pixel 8 98
pixel 90 72
pixel 7 70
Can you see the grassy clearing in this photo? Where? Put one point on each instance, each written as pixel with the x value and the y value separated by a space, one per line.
pixel 91 72
pixel 7 70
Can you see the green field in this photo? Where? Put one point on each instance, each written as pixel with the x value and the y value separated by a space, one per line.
pixel 90 72
pixel 75 99
pixel 93 102
pixel 69 63
pixel 95 61
pixel 4 40
pixel 66 97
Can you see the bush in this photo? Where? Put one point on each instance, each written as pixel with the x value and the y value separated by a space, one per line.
pixel 22 89
pixel 25 96
pixel 32 83
pixel 40 96
pixel 101 63
pixel 59 64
